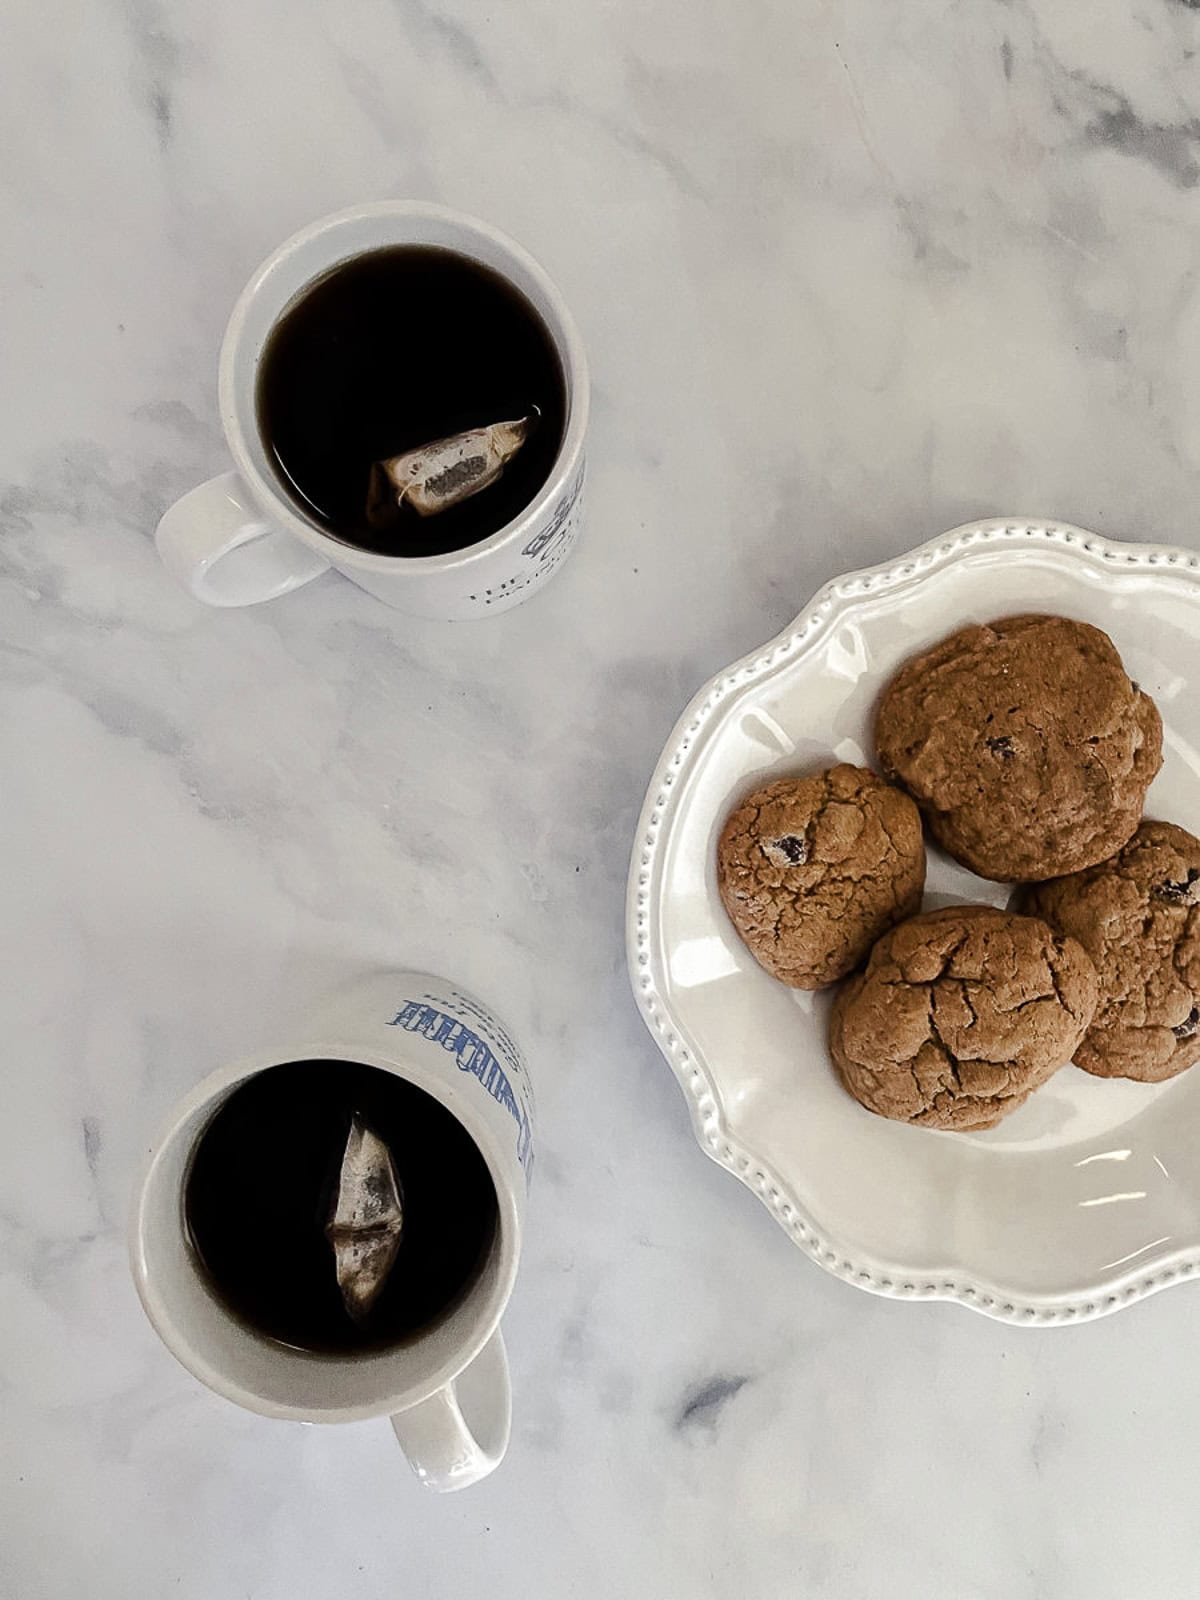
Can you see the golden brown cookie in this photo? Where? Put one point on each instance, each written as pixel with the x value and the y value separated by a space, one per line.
pixel 960 1015
pixel 812 870
pixel 1138 917
pixel 1025 745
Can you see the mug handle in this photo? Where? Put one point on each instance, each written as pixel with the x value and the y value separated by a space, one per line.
pixel 448 1449
pixel 216 543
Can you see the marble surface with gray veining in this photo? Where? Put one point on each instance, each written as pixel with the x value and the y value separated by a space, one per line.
pixel 850 272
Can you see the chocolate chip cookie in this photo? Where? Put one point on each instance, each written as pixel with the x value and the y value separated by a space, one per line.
pixel 960 1015
pixel 1138 917
pixel 1024 743
pixel 813 870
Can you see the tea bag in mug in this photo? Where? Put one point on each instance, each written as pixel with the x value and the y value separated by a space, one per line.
pixel 445 472
pixel 367 1222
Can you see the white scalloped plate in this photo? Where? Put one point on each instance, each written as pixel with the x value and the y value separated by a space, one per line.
pixel 1085 1199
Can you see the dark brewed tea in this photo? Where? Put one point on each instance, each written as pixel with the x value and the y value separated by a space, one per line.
pixel 264 1181
pixel 388 352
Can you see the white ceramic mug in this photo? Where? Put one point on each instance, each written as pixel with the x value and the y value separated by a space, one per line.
pixel 446 1390
pixel 240 538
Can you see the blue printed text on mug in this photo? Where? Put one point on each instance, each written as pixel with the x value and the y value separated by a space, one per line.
pixel 474 1055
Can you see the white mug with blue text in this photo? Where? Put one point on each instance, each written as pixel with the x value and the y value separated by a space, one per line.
pixel 240 538
pixel 447 1390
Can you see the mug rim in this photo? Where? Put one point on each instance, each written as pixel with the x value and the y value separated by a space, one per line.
pixel 206 1096
pixel 562 327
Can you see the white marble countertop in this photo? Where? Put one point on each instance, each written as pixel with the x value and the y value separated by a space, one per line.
pixel 850 273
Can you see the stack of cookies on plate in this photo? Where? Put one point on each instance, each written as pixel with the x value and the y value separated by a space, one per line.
pixel 1026 751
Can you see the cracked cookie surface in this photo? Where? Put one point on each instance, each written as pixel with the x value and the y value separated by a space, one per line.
pixel 812 871
pixel 1024 743
pixel 960 1015
pixel 1138 917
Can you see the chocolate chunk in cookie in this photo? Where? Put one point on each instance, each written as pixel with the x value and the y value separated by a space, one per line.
pixel 1179 891
pixel 813 870
pixel 1138 917
pixel 960 1015
pixel 1024 743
